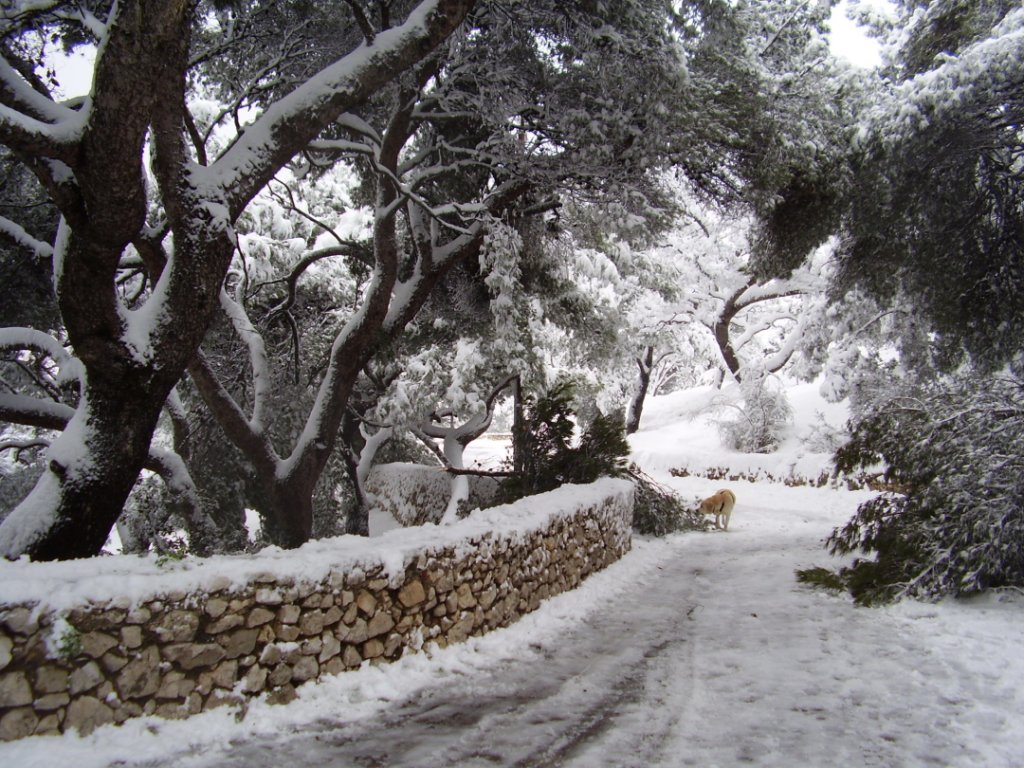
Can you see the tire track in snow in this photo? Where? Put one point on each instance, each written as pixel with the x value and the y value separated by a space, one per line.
pixel 540 710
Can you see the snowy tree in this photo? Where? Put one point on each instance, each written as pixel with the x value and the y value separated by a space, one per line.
pixel 790 181
pixel 955 523
pixel 745 327
pixel 484 137
pixel 457 114
pixel 505 125
pixel 937 218
pixel 933 236
pixel 89 156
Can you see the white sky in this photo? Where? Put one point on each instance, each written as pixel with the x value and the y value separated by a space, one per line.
pixel 849 42
pixel 74 71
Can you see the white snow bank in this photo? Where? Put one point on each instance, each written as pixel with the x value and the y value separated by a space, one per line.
pixel 680 430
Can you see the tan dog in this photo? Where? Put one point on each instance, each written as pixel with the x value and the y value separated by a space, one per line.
pixel 720 505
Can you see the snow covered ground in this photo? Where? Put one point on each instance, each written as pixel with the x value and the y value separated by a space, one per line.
pixel 699 649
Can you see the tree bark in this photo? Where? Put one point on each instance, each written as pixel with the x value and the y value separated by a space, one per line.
pixel 722 326
pixel 92 467
pixel 645 364
pixel 518 428
pixel 95 461
pixel 721 330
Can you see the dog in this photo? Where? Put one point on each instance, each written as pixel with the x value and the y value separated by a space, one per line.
pixel 720 505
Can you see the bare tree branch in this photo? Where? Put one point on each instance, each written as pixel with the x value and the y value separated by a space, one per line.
pixel 362 21
pixel 299 117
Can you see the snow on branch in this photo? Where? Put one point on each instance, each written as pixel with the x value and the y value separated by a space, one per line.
pixel 86 18
pixel 777 361
pixel 12 339
pixel 182 488
pixel 351 248
pixel 40 139
pixel 30 120
pixel 17 235
pixel 14 12
pixel 226 410
pixel 773 289
pixel 262 379
pixel 762 325
pixel 474 426
pixel 33 412
pixel 288 125
pixel 991 67
pixel 17 446
pixel 19 94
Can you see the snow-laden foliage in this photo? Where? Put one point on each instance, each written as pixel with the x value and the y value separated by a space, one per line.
pixel 149 199
pixel 955 523
pixel 797 166
pixel 932 240
pixel 193 234
pixel 659 511
pixel 691 300
pixel 483 331
pixel 552 454
pixel 935 225
pixel 759 422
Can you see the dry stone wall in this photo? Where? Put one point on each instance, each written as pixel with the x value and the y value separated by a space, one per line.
pixel 178 652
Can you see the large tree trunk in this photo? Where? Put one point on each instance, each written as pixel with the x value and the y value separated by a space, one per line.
pixel 645 364
pixel 288 510
pixel 724 341
pixel 92 467
pixel 91 163
pixel 94 463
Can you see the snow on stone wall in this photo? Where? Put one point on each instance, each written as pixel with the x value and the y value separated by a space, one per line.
pixel 153 646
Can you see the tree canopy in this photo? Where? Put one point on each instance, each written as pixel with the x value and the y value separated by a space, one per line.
pixel 275 236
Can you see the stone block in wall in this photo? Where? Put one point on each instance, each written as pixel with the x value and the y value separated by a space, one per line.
pixel 86 713
pixel 380 624
pixel 215 607
pixel 15 690
pixel 238 643
pixel 224 623
pixel 255 681
pixel 259 616
pixel 412 593
pixel 311 623
pixel 85 678
pixel 18 723
pixel 140 677
pixel 194 655
pixel 131 637
pixel 50 679
pixel 178 626
pixel 96 644
pixel 306 668
pixel 19 620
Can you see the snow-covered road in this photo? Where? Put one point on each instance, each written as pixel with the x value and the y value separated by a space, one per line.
pixel 699 650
